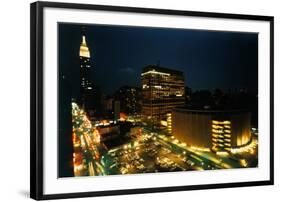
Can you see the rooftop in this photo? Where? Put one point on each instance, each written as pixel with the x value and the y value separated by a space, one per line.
pixel 157 68
pixel 210 109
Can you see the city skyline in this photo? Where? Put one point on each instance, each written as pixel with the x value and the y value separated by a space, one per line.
pixel 152 122
pixel 209 59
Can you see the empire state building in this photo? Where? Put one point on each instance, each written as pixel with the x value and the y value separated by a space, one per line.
pixel 85 66
pixel 89 95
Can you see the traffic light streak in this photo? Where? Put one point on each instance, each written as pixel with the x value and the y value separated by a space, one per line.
pixel 87 145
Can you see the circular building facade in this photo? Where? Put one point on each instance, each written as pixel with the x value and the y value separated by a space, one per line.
pixel 218 130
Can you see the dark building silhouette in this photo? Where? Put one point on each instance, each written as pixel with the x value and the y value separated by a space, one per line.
pixel 65 129
pixel 130 99
pixel 116 110
pixel 188 93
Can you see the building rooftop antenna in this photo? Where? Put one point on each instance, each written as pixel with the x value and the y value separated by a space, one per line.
pixel 83 30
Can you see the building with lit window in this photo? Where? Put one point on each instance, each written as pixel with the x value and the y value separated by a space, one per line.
pixel 90 97
pixel 210 129
pixel 130 99
pixel 162 90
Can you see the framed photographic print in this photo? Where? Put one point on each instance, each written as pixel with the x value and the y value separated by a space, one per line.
pixel 134 100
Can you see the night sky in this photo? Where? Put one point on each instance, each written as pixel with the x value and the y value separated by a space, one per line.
pixel 118 53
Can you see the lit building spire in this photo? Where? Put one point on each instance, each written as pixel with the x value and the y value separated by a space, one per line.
pixel 84 50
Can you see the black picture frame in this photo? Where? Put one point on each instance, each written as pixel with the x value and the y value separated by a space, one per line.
pixel 36 98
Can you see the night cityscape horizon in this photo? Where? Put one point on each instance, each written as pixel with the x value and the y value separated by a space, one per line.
pixel 145 100
pixel 209 59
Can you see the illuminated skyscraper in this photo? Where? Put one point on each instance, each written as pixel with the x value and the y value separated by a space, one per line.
pixel 162 90
pixel 89 93
pixel 84 54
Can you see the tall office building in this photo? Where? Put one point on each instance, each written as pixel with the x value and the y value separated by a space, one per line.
pixel 162 90
pixel 130 99
pixel 85 65
pixel 116 110
pixel 90 98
